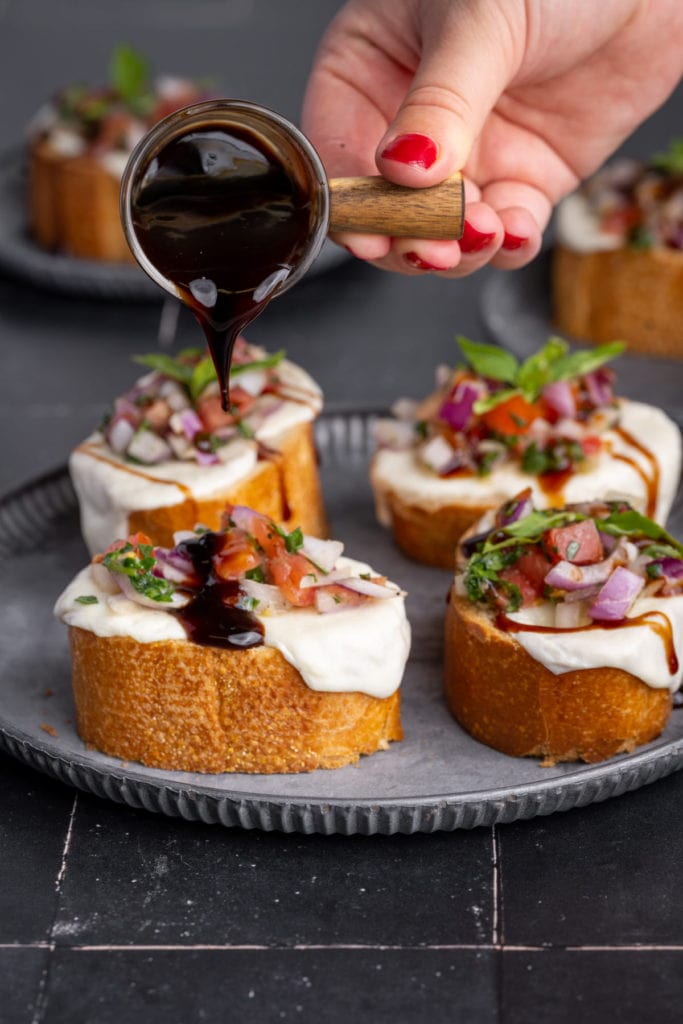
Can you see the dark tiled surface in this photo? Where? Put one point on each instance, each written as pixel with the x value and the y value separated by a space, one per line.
pixel 34 817
pixel 273 986
pixel 21 974
pixel 135 879
pixel 571 987
pixel 608 874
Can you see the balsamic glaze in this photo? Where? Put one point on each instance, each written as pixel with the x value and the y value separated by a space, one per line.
pixel 219 215
pixel 212 617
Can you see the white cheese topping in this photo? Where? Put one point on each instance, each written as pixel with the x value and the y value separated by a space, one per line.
pixel 66 142
pixel 578 228
pixel 361 649
pixel 637 649
pixel 400 472
pixel 109 490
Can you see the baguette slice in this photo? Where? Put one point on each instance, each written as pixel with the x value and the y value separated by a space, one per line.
pixel 285 487
pixel 506 699
pixel 177 705
pixel 74 206
pixel 634 294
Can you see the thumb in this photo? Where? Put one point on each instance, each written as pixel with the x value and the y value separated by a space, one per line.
pixel 467 60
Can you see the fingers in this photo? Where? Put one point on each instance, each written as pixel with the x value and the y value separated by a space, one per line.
pixel 451 95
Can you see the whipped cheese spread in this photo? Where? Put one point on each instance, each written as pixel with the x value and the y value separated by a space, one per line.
pixel 637 649
pixel 108 487
pixel 361 649
pixel 578 228
pixel 401 473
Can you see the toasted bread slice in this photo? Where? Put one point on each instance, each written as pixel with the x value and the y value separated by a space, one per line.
pixel 506 699
pixel 74 206
pixel 177 705
pixel 632 294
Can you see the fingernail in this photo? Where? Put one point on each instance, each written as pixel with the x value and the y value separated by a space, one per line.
pixel 473 240
pixel 415 150
pixel 513 241
pixel 414 260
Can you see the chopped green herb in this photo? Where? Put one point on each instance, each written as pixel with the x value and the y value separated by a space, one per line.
pixel 258 364
pixel 551 363
pixel 421 428
pixel 640 238
pixel 653 570
pixel 255 574
pixel 137 565
pixel 365 576
pixel 670 161
pixel 87 599
pixel 246 603
pixel 203 374
pixel 573 549
pixel 630 522
pixel 486 462
pixel 534 460
pixel 167 365
pixel 336 598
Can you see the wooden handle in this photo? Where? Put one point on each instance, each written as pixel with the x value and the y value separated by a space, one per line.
pixel 378 207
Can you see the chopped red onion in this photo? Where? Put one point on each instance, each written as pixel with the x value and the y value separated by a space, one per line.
pixel 119 434
pixel 324 553
pixel 367 587
pixel 560 398
pixel 568 576
pixel 269 597
pixel 438 454
pixel 616 596
pixel 189 422
pixel 456 411
pixel 148 447
pixel 598 384
pixel 206 458
pixel 125 407
pixel 176 566
pixel 671 568
pixel 518 507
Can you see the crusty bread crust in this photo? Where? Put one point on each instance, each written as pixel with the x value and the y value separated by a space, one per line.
pixel 286 488
pixel 74 206
pixel 631 294
pixel 511 702
pixel 430 535
pixel 176 705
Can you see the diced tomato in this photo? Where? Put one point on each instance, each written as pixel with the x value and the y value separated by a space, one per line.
pixel 211 413
pixel 267 536
pixel 287 572
pixel 528 590
pixel 535 565
pixel 618 221
pixel 591 445
pixel 236 557
pixel 578 543
pixel 512 417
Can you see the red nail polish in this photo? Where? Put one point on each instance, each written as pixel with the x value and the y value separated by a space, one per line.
pixel 473 240
pixel 415 150
pixel 414 260
pixel 513 241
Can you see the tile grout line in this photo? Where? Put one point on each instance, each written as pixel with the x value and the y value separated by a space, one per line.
pixel 495 922
pixel 41 997
pixel 301 948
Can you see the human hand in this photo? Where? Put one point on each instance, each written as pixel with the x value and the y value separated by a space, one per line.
pixel 527 97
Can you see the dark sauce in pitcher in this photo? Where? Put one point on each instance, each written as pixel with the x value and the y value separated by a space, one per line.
pixel 219 214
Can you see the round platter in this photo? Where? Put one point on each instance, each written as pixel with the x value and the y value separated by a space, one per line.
pixel 436 778
pixel 22 258
pixel 516 310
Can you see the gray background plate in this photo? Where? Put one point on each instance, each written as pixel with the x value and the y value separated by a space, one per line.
pixel 437 778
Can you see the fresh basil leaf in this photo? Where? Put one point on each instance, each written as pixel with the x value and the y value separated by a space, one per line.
pixel 576 364
pixel 532 527
pixel 672 160
pixel 631 522
pixel 167 365
pixel 128 73
pixel 483 405
pixel 259 364
pixel 203 374
pixel 489 360
pixel 537 371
